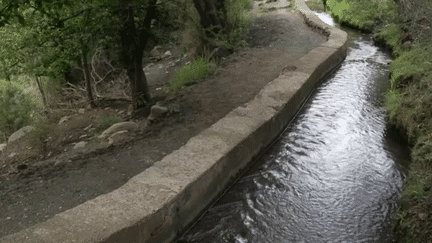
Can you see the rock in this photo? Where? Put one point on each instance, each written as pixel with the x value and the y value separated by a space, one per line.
pixel 167 54
pixel 20 133
pixel 130 126
pixel 12 155
pixel 2 147
pixel 422 216
pixel 117 137
pixel 80 145
pixel 157 111
pixel 64 119
pixel 81 111
pixel 155 52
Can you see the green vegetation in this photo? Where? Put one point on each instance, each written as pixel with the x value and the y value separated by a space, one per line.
pixel 364 14
pixel 405 28
pixel 15 109
pixel 42 43
pixel 192 73
pixel 195 38
pixel 107 121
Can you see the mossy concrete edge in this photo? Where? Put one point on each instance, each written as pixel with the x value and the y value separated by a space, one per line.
pixel 157 204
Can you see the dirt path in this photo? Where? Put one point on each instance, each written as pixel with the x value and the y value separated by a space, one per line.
pixel 276 39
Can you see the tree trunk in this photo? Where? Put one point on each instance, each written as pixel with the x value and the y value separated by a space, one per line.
pixel 42 92
pixel 133 43
pixel 212 14
pixel 83 64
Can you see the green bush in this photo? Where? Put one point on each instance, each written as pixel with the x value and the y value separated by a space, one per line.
pixel 192 73
pixel 15 109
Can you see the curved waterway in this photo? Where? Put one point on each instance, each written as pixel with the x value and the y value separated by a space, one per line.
pixel 332 176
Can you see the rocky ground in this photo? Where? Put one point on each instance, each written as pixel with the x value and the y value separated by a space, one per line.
pixel 78 164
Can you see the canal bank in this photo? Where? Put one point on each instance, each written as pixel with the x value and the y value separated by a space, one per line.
pixel 157 203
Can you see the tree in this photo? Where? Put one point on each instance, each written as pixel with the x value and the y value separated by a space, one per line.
pixel 133 41
pixel 65 30
pixel 213 15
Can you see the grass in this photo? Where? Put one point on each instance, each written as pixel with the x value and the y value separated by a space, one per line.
pixel 363 15
pixel 192 73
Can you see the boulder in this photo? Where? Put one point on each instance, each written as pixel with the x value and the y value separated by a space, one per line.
pixel 167 54
pixel 20 133
pixel 80 145
pixel 129 126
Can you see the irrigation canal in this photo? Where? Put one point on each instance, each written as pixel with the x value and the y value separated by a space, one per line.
pixel 333 175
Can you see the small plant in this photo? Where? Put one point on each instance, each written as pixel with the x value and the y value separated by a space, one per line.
pixel 109 120
pixel 192 73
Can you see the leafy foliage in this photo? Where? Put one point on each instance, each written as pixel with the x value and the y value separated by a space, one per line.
pixel 15 109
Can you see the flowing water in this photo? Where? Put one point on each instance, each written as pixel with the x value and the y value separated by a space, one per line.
pixel 332 176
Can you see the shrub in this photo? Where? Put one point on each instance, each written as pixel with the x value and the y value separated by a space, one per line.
pixel 15 108
pixel 192 73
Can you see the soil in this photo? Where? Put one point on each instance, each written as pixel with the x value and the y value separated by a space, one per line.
pixel 34 186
